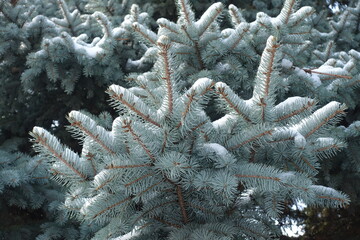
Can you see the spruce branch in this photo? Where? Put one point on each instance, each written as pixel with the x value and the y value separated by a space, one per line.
pixel 196 47
pixel 146 34
pixel 195 95
pixel 111 166
pixel 88 127
pixel 139 179
pixel 236 15
pixel 296 104
pixel 122 96
pixel 167 167
pixel 308 163
pixel 325 115
pixel 234 102
pixel 59 152
pixel 241 30
pixel 328 74
pixel 185 11
pixel 182 204
pixel 128 128
pixel 209 17
pixel 172 27
pixel 110 207
pixel 242 141
pixel 262 87
pixel 164 45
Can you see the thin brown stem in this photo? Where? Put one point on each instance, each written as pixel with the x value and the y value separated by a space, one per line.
pixel 288 13
pixel 183 7
pixel 324 122
pixel 164 53
pixel 240 38
pixel 43 142
pixel 127 126
pixel 112 206
pixel 221 91
pixel 213 17
pixel 196 48
pixel 79 125
pixel 167 223
pixel 296 112
pixel 138 179
pixel 119 98
pixel 111 166
pixel 328 74
pixel 258 176
pixel 269 132
pixel 182 204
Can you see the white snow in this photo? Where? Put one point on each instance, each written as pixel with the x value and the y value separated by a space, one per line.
pixel 222 122
pixel 289 101
pixel 129 235
pixel 263 18
pixel 55 124
pixel 227 32
pixel 223 67
pixel 299 139
pixel 301 13
pixel 286 63
pixel 201 83
pixel 354 53
pixel 325 140
pixel 127 95
pixel 277 22
pixel 355 125
pixel 332 88
pixel 245 196
pixel 316 80
pixel 217 148
pixel 119 31
pixel 286 176
pixel 300 72
pixel 91 51
pixel 330 107
pixel 138 91
pixel 131 64
pixel 313 78
pixel 328 68
pixel 353 129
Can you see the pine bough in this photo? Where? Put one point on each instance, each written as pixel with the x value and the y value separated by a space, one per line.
pixel 168 170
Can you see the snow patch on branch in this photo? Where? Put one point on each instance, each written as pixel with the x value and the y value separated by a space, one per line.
pixel 91 51
pixel 286 64
pixel 217 148
pixel 299 139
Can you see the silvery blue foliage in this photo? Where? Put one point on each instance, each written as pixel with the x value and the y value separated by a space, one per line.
pixel 167 169
pixel 25 184
pixel 77 51
pixel 234 120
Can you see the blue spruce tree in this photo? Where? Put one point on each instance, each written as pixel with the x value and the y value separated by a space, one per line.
pixel 220 125
pixel 168 169
pixel 29 200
